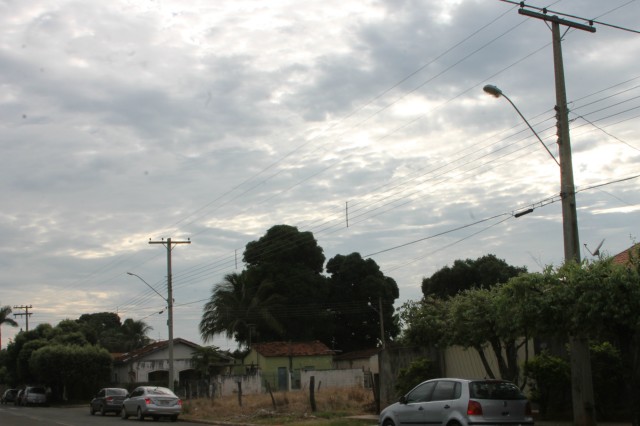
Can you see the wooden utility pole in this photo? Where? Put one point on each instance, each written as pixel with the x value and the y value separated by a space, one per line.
pixel 581 377
pixel 169 245
pixel 26 314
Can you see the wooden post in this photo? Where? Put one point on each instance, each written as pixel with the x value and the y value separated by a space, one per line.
pixel 240 394
pixel 312 395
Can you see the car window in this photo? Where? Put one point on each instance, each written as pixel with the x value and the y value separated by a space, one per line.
pixel 495 390
pixel 422 393
pixel 101 393
pixel 159 391
pixel 137 392
pixel 117 392
pixel 446 390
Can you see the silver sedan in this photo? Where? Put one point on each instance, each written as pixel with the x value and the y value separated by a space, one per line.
pixel 152 401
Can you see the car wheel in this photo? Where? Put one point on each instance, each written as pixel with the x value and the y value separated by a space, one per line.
pixel 91 410
pixel 155 418
pixel 123 414
pixel 174 418
pixel 139 414
pixel 102 410
pixel 118 412
pixel 388 422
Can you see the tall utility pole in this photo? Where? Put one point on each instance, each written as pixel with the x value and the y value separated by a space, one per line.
pixel 581 378
pixel 169 245
pixel 26 313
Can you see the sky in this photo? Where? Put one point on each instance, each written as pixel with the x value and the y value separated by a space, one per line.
pixel 363 122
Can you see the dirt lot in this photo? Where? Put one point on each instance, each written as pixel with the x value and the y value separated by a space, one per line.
pixel 284 407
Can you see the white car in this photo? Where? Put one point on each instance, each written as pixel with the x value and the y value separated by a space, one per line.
pixel 34 395
pixel 151 401
pixel 460 402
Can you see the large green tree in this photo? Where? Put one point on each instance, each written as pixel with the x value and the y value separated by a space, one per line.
pixel 290 264
pixel 358 290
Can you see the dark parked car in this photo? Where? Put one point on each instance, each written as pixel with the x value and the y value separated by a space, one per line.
pixel 460 402
pixel 34 395
pixel 152 401
pixel 108 400
pixel 9 396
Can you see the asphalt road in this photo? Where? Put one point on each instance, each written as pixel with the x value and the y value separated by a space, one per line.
pixel 11 415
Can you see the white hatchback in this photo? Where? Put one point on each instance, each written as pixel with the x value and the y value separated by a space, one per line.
pixel 460 402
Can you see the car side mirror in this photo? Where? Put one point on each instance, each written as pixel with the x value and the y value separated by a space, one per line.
pixel 403 400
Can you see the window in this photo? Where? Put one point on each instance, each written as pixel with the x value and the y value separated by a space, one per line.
pixel 422 393
pixel 446 390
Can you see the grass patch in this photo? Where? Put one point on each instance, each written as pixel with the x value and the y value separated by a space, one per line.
pixel 333 407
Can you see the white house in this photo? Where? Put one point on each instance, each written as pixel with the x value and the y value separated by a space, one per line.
pixel 151 363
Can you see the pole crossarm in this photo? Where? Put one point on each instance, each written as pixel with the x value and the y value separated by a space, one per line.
pixel 557 20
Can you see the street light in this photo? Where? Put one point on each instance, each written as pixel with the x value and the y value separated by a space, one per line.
pixel 581 376
pixel 494 91
pixel 169 324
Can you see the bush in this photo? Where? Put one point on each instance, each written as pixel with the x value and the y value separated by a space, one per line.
pixel 418 371
pixel 551 388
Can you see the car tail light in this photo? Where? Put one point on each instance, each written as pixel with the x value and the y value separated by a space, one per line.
pixel 147 401
pixel 474 408
pixel 180 402
pixel 109 398
pixel 527 410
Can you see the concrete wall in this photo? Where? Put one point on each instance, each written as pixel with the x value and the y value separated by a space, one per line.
pixel 333 378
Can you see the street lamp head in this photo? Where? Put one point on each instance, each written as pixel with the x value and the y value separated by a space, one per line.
pixel 492 90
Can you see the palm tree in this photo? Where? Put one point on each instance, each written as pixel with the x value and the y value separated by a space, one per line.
pixel 236 305
pixel 135 334
pixel 5 311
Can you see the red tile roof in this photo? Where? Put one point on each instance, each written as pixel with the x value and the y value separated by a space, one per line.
pixel 273 349
pixel 623 258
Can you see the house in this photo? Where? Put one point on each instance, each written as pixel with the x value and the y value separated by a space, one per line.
pixel 151 363
pixel 365 360
pixel 282 363
pixel 625 257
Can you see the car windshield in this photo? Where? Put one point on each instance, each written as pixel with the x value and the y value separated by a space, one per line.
pixel 117 392
pixel 495 390
pixel 36 390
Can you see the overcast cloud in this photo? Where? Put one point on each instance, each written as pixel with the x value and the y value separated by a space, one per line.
pixel 134 120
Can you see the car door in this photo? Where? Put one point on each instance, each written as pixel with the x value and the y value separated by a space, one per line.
pixel 131 403
pixel 411 410
pixel 443 403
pixel 98 400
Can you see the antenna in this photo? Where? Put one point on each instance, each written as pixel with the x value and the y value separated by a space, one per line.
pixel 596 252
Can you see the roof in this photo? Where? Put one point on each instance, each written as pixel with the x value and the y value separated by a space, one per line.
pixel 623 258
pixel 276 349
pixel 362 354
pixel 149 349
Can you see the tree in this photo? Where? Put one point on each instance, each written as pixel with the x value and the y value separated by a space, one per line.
pixel 483 272
pixel 134 334
pixel 78 370
pixel 237 307
pixel 288 263
pixel 5 311
pixel 358 290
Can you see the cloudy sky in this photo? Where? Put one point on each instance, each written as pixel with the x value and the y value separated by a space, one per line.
pixel 363 122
